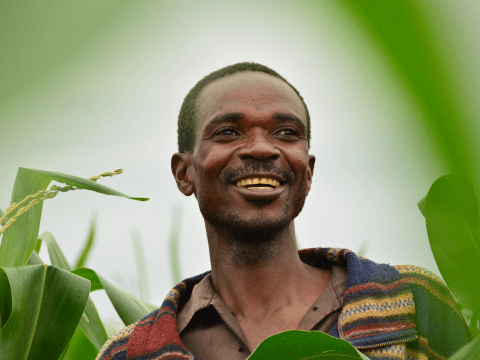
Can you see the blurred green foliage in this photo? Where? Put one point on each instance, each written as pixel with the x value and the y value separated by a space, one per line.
pixel 402 31
pixel 37 36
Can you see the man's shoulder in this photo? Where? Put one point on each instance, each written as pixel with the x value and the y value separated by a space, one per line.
pixel 116 346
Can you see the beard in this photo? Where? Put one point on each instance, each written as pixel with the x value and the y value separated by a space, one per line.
pixel 254 241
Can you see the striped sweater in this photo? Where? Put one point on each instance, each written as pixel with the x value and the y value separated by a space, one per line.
pixel 389 312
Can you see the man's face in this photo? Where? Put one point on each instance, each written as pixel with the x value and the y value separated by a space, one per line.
pixel 251 167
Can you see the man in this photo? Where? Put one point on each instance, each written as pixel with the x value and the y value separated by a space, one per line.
pixel 244 135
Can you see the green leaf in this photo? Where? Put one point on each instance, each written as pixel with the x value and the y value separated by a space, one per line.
pixel 81 183
pixel 43 303
pixel 128 307
pixel 90 323
pixel 451 213
pixel 304 345
pixel 20 238
pixel 469 351
pixel 88 245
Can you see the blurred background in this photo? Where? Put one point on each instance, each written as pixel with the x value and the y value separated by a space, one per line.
pixel 86 87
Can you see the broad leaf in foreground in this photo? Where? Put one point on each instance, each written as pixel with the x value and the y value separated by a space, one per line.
pixel 468 352
pixel 305 345
pixel 39 303
pixel 451 213
pixel 90 323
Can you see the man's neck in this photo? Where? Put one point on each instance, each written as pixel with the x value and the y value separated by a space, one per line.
pixel 255 280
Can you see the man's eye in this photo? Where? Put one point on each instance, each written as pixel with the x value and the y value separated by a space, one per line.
pixel 227 131
pixel 288 132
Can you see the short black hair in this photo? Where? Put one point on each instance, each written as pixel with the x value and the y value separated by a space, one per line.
pixel 187 123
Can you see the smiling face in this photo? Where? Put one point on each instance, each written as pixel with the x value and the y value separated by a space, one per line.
pixel 250 169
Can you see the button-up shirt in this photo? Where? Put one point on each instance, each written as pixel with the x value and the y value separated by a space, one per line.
pixel 209 330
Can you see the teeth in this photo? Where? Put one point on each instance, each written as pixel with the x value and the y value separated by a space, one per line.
pixel 255 181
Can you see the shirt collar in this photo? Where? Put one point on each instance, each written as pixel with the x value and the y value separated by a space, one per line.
pixel 203 295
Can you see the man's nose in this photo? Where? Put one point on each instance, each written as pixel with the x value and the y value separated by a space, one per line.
pixel 259 146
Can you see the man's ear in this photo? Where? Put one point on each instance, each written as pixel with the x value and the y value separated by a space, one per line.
pixel 311 166
pixel 181 170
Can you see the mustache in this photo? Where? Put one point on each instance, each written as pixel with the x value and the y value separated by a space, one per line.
pixel 257 166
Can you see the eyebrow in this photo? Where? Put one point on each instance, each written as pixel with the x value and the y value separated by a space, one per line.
pixel 281 118
pixel 236 117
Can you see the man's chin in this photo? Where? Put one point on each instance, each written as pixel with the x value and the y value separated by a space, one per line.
pixel 250 229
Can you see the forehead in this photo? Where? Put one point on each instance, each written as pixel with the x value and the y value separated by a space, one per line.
pixel 244 91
